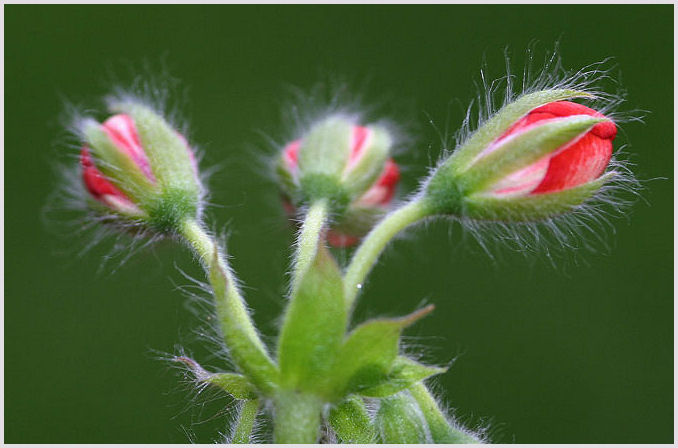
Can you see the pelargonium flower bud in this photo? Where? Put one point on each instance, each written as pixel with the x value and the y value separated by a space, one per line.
pixel 346 164
pixel 534 160
pixel 137 167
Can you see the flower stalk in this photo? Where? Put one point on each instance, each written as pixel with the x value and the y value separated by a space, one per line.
pixel 242 432
pixel 239 332
pixel 309 238
pixel 374 243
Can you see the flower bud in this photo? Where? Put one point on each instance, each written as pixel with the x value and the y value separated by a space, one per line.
pixel 533 160
pixel 139 168
pixel 348 165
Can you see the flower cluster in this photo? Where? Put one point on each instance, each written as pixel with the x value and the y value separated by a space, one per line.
pixel 540 156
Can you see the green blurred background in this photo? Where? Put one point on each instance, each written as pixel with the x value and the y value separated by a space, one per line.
pixel 577 349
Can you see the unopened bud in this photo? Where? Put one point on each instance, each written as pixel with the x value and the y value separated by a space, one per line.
pixel 529 162
pixel 139 168
pixel 346 164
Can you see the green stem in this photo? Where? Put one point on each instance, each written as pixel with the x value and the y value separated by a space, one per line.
pixel 245 422
pixel 296 418
pixel 441 429
pixel 240 335
pixel 375 242
pixel 309 238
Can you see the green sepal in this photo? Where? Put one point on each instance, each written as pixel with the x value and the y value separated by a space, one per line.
pixel 167 152
pixel 359 178
pixel 493 128
pixel 440 428
pixel 316 187
pixel 170 209
pixel 524 149
pixel 313 327
pixel 404 373
pixel 351 422
pixel 326 148
pixel 117 166
pixel 399 420
pixel 533 207
pixel 368 354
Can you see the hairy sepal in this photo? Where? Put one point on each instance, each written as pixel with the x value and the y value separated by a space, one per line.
pixel 493 128
pixel 533 207
pixel 326 149
pixel 525 149
pixel 365 172
pixel 167 152
pixel 117 166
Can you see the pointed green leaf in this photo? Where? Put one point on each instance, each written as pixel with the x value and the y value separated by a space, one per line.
pixel 404 373
pixel 313 328
pixel 351 422
pixel 367 355
pixel 399 420
pixel 532 207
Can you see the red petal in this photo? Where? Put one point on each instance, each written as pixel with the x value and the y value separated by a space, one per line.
pixel 580 163
pixel 557 109
pixel 360 134
pixel 291 152
pixel 336 239
pixel 122 131
pixel 95 181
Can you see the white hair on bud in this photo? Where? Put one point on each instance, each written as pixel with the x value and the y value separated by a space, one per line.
pixel 585 226
pixel 301 108
pixel 70 210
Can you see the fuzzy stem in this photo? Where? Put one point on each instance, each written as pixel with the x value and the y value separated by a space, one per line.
pixel 309 237
pixel 240 335
pixel 374 243
pixel 296 418
pixel 441 429
pixel 245 422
